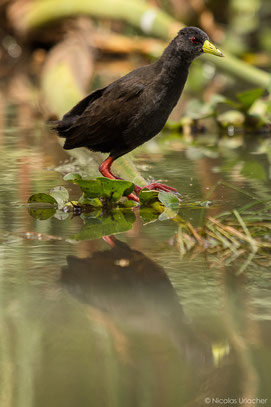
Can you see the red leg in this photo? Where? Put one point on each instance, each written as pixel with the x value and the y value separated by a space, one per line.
pixel 110 240
pixel 105 170
pixel 156 185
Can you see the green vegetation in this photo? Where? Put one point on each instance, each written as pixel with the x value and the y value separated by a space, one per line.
pixel 249 112
pixel 104 212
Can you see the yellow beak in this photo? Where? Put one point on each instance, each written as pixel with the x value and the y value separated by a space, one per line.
pixel 209 48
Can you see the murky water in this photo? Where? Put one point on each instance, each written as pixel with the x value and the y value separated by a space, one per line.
pixel 131 322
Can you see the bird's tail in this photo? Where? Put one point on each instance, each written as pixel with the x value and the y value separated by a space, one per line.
pixel 61 126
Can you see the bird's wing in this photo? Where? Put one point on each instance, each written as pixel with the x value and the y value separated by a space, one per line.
pixel 105 117
pixel 72 115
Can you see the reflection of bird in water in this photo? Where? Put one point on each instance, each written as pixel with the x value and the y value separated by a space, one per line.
pixel 132 294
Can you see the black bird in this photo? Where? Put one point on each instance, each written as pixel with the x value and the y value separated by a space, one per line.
pixel 133 109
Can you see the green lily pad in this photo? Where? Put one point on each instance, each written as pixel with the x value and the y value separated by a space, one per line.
pixel 115 188
pixel 72 176
pixel 116 221
pixel 42 206
pixel 104 188
pixel 61 195
pixel 45 200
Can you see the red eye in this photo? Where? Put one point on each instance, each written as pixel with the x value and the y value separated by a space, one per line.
pixel 194 40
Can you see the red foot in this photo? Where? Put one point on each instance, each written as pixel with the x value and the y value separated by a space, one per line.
pixel 133 197
pixel 156 185
pixel 105 170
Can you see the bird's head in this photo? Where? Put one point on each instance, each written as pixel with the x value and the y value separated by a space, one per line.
pixel 193 41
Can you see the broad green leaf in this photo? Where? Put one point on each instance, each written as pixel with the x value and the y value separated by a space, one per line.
pixel 72 176
pixel 147 197
pixel 84 200
pixel 169 200
pixel 248 97
pixel 45 200
pixel 115 188
pixel 117 221
pixel 104 188
pixel 42 206
pixel 91 188
pixel 61 195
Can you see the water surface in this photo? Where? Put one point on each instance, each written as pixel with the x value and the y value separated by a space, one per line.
pixel 133 322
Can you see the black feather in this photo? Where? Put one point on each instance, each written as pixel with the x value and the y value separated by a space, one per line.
pixel 133 109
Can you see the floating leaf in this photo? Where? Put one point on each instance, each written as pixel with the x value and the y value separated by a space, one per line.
pixel 147 197
pixel 42 206
pixel 117 221
pixel 72 176
pixel 115 189
pixel 61 195
pixel 84 200
pixel 169 200
pixel 46 200
pixel 104 188
pixel 248 97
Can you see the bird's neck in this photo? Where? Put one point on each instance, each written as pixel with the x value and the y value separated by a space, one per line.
pixel 173 64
